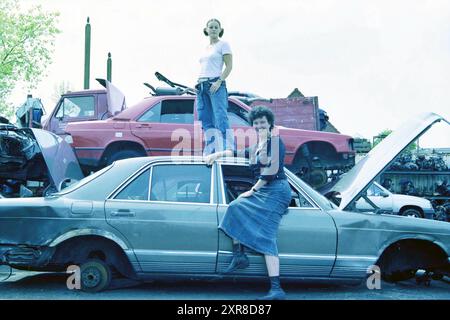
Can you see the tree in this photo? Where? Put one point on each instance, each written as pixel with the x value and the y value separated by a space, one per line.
pixel 383 134
pixel 27 40
pixel 59 89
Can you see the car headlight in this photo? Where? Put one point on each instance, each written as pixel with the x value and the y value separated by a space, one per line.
pixel 68 138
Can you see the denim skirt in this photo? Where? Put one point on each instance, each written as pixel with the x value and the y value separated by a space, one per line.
pixel 254 220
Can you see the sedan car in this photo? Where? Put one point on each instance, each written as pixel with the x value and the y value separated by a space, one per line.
pixel 401 204
pixel 157 217
pixel 164 125
pixel 153 217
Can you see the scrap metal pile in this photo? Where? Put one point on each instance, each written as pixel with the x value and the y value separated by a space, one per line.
pixel 406 162
pixel 423 176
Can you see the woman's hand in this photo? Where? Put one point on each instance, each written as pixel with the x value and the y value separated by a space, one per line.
pixel 215 86
pixel 209 159
pixel 246 194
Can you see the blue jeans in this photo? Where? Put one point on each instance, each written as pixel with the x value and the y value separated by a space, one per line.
pixel 212 112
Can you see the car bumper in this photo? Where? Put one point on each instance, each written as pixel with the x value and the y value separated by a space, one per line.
pixel 428 213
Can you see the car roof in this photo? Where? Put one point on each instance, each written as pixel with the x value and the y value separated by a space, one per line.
pixel 83 92
pixel 137 109
pixel 183 159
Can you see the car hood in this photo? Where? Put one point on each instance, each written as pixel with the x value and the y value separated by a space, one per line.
pixel 22 146
pixel 115 97
pixel 59 157
pixel 411 200
pixel 351 184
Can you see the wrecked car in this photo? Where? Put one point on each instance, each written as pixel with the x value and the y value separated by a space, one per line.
pixel 148 128
pixel 401 204
pixel 30 113
pixel 150 218
pixel 34 162
pixel 354 190
pixel 85 105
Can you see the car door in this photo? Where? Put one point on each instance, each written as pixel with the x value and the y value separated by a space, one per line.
pixel 306 236
pixel 168 214
pixel 379 196
pixel 238 120
pixel 167 128
pixel 70 109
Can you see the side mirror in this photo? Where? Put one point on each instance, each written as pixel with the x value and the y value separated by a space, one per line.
pixel 66 183
pixel 384 194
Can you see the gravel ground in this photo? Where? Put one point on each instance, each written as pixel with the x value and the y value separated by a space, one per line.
pixel 35 285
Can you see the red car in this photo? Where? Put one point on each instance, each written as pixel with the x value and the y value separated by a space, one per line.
pixel 148 127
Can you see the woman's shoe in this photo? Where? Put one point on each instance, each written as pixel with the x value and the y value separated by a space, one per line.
pixel 275 292
pixel 239 261
pixel 274 295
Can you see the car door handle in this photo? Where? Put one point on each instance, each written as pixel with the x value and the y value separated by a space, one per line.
pixel 123 213
pixel 143 125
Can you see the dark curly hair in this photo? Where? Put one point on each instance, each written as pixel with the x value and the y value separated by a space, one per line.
pixel 259 112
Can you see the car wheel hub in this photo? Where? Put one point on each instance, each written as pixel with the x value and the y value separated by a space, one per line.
pixel 91 277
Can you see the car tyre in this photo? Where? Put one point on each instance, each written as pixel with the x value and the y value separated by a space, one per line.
pixel 95 275
pixel 400 275
pixel 318 178
pixel 124 154
pixel 412 213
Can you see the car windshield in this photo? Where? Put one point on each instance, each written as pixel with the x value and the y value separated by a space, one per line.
pixel 322 201
pixel 83 181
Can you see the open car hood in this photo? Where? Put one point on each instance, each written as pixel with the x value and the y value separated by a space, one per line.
pixel 59 157
pixel 115 97
pixel 351 184
pixel 28 154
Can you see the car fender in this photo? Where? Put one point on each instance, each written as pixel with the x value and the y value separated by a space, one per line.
pixel 89 232
pixel 401 200
pixel 397 204
pixel 412 236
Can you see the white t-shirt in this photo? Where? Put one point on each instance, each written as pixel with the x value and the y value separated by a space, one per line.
pixel 211 62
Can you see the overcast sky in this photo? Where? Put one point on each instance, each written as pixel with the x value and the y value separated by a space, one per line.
pixel 372 64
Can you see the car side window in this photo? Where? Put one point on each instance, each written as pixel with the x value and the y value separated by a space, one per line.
pixel 235 120
pixel 238 179
pixel 77 107
pixel 136 189
pixel 237 116
pixel 152 115
pixel 374 191
pixel 298 200
pixel 177 111
pixel 181 183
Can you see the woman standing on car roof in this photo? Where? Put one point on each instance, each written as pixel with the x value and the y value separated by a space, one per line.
pixel 253 218
pixel 212 95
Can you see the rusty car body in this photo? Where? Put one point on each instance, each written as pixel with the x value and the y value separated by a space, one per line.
pixel 157 217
